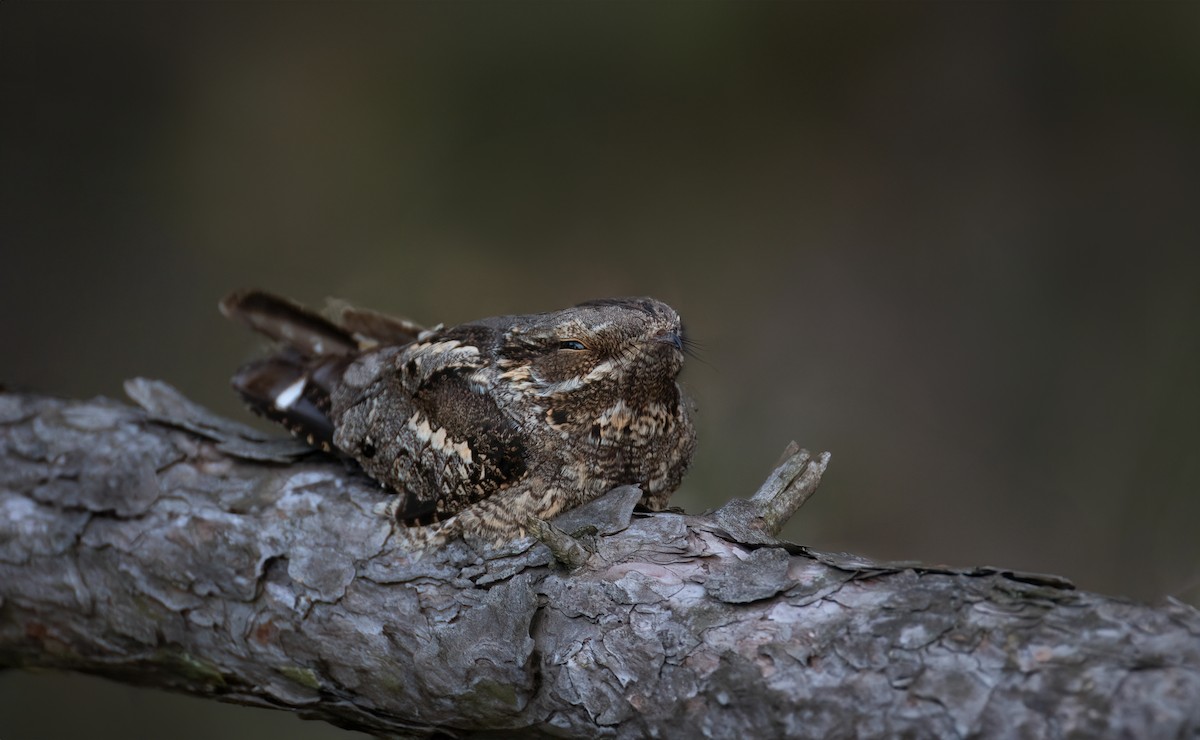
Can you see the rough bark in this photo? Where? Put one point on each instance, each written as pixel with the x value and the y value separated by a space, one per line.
pixel 167 547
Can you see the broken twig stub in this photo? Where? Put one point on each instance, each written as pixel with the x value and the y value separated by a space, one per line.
pixel 759 519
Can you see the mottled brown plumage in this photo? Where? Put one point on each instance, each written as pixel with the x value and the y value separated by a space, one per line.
pixel 480 426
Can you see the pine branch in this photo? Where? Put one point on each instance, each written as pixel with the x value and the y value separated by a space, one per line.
pixel 165 546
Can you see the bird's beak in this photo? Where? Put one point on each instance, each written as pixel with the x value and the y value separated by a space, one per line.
pixel 672 338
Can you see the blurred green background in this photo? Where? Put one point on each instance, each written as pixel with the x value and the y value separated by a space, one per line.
pixel 956 245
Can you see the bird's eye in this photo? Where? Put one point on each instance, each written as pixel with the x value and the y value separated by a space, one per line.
pixel 571 344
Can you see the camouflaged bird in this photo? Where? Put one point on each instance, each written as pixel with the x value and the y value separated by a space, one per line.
pixel 480 426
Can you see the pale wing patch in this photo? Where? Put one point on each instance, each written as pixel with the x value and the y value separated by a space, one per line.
pixel 436 348
pixel 438 439
pixel 288 396
pixel 420 426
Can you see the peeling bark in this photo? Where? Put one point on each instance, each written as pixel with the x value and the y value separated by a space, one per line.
pixel 165 546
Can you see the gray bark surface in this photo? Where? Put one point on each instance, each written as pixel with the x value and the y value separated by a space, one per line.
pixel 167 547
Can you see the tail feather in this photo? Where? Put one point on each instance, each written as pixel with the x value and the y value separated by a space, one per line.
pixel 373 327
pixel 288 323
pixel 292 387
pixel 294 392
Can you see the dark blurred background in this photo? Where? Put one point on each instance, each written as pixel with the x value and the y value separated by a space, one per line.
pixel 956 245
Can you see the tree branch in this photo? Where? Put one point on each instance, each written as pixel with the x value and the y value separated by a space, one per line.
pixel 168 547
